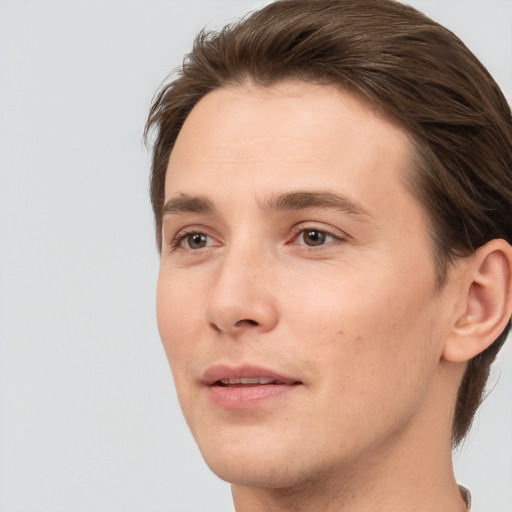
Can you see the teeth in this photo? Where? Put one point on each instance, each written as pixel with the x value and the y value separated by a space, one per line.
pixel 248 380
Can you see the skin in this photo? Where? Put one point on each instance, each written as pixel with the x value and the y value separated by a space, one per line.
pixel 343 300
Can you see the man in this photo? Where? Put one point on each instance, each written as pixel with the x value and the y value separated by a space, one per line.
pixel 332 187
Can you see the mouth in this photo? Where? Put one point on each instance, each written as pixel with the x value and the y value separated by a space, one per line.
pixel 246 387
pixel 251 381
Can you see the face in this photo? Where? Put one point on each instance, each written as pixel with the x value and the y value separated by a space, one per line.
pixel 296 295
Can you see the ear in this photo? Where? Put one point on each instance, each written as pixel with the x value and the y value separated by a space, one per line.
pixel 486 302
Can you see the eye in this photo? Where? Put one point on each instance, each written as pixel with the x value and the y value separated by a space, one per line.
pixel 196 240
pixel 314 237
pixel 193 240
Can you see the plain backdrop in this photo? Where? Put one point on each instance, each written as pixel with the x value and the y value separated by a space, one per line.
pixel 88 417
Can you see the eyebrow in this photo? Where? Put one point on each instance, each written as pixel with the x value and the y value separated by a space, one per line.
pixel 299 200
pixel 187 204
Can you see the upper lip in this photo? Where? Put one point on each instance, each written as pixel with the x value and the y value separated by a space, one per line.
pixel 233 374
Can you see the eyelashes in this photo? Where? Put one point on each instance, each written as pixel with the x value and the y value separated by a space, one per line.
pixel 315 237
pixel 192 239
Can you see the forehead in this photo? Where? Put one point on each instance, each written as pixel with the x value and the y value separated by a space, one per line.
pixel 293 135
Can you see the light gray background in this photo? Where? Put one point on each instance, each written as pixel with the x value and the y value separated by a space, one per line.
pixel 88 417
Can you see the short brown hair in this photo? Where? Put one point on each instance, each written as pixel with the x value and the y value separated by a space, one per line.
pixel 408 65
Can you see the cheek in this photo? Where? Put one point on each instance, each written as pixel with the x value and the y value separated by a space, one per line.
pixel 372 330
pixel 374 359
pixel 178 309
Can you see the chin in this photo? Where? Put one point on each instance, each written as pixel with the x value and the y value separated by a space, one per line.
pixel 248 463
pixel 257 472
pixel 272 465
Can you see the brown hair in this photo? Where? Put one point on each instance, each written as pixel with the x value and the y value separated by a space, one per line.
pixel 408 65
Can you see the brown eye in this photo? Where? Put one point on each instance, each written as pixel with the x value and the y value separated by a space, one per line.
pixel 196 240
pixel 314 237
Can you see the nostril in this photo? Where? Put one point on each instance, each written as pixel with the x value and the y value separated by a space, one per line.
pixel 247 321
pixel 215 328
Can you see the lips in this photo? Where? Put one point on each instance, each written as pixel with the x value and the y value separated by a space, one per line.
pixel 249 375
pixel 246 387
pixel 248 381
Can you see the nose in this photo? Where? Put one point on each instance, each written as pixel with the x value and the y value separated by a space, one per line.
pixel 242 294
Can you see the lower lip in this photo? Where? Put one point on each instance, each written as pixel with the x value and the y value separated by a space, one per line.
pixel 247 397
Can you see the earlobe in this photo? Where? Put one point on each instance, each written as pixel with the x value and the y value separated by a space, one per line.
pixel 487 302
